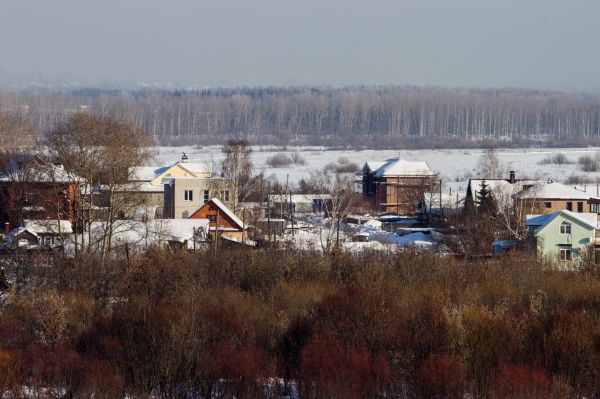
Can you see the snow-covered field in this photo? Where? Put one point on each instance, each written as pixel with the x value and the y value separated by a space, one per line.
pixel 454 166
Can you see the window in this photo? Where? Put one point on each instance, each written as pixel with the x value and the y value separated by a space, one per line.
pixel 30 198
pixel 212 218
pixel 548 204
pixel 595 208
pixel 580 207
pixel 206 196
pixel 569 206
pixel 565 254
pixel 185 215
pixel 225 195
pixel 188 195
pixel 565 228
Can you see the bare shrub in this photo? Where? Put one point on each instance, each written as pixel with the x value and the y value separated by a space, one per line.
pixel 279 160
pixel 298 158
pixel 589 163
pixel 556 159
pixel 577 179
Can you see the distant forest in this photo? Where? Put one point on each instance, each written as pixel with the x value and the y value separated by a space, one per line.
pixel 361 117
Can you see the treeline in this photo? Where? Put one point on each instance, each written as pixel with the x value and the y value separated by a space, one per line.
pixel 254 324
pixel 357 116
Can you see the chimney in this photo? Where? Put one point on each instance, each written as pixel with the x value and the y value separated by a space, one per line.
pixel 512 177
pixel 6 229
pixel 184 157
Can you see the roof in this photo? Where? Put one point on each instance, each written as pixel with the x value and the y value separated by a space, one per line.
pixel 19 230
pixel 374 165
pixel 40 173
pixel 134 232
pixel 553 191
pixel 149 173
pixel 49 226
pixel 498 186
pixel 227 211
pixel 401 167
pixel 541 221
pixel 195 167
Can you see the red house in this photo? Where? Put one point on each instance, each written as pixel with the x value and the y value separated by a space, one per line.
pixel 37 191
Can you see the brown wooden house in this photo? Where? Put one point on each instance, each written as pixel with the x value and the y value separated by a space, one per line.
pixel 221 219
pixel 397 185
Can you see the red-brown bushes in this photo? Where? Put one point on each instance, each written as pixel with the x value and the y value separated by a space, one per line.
pixel 441 376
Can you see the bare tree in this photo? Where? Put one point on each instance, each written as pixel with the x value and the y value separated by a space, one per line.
pixel 100 153
pixel 489 165
pixel 238 166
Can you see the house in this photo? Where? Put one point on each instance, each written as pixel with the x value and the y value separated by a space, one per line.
pixel 397 185
pixel 544 198
pixel 183 195
pixel 562 236
pixel 32 189
pixel 221 219
pixel 50 233
pixel 146 185
pixel 22 238
pixel 132 235
pixel 282 204
pixel 499 189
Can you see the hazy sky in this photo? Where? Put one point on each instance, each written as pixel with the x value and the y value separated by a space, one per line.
pixel 530 43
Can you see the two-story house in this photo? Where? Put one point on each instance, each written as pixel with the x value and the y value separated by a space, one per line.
pixel 397 185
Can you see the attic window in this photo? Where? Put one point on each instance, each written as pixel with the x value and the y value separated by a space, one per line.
pixel 565 228
pixel 548 204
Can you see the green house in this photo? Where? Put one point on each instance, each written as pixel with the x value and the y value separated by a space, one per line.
pixel 562 236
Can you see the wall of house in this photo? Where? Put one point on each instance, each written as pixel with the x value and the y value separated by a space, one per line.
pixel 218 218
pixel 401 195
pixel 538 206
pixel 549 239
pixel 18 201
pixel 175 202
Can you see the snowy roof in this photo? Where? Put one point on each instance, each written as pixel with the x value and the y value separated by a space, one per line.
pixel 228 212
pixel 401 167
pixel 374 165
pixel 49 226
pixel 553 191
pixel 196 167
pixel 157 231
pixel 589 219
pixel 147 173
pixel 40 173
pixel 19 230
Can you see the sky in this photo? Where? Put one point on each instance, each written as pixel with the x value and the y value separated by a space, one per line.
pixel 548 44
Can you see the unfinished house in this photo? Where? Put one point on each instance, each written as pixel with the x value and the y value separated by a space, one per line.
pixel 398 186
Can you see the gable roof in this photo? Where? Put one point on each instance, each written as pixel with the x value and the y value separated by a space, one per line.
pixel 541 221
pixel 400 167
pixel 151 173
pixel 497 186
pixel 553 190
pixel 225 210
pixel 49 226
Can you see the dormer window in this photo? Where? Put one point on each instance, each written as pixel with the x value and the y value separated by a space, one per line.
pixel 565 228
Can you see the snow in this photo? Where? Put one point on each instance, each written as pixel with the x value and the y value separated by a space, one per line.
pixel 401 167
pixel 554 191
pixel 49 226
pixel 455 167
